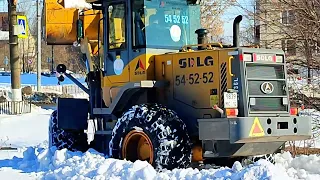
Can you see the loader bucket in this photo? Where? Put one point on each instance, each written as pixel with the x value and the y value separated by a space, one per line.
pixel 61 23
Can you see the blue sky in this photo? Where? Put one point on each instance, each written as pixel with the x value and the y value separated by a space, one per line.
pixel 233 12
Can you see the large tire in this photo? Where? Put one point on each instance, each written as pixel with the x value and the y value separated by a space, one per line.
pixel 73 141
pixel 162 126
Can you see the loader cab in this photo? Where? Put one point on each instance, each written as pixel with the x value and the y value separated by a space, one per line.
pixel 168 24
pixel 134 26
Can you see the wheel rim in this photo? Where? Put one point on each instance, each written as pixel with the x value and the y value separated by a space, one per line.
pixel 137 146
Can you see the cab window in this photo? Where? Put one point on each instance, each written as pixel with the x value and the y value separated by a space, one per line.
pixel 138 24
pixel 117 26
pixel 171 24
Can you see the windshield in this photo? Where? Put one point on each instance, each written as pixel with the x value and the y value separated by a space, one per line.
pixel 171 23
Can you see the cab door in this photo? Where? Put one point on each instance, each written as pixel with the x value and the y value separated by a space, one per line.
pixel 116 58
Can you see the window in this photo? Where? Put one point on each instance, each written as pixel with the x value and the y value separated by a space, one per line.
pixel 288 17
pixel 171 24
pixel 257 33
pixel 117 26
pixel 138 21
pixel 289 46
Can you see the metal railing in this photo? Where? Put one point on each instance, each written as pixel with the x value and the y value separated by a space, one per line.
pixel 15 107
pixel 64 89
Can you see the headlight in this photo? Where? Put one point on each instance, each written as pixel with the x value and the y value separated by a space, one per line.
pixel 247 57
pixel 279 59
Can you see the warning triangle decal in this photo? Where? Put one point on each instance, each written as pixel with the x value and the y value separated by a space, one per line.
pixel 256 129
pixel 139 65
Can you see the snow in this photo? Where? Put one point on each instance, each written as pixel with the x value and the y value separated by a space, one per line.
pixel 33 128
pixel 78 4
pixel 33 159
pixel 62 164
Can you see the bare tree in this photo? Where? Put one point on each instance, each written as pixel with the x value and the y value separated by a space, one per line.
pixel 66 54
pixel 247 33
pixel 211 12
pixel 292 25
pixel 305 16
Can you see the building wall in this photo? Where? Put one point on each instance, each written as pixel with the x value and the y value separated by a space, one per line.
pixel 4 22
pixel 27 51
pixel 272 23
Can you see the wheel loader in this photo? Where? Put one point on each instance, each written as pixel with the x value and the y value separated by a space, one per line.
pixel 160 91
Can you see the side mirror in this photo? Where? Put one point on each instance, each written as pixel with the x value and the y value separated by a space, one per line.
pixel 80 33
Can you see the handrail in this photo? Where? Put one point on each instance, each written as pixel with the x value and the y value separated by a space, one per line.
pixel 230 66
pixel 206 44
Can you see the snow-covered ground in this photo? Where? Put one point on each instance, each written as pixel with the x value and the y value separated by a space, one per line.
pixel 35 126
pixel 33 159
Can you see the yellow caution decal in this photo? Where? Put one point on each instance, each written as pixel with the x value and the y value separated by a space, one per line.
pixel 214 100
pixel 256 129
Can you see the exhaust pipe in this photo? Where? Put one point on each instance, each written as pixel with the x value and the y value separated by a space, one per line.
pixel 236 29
pixel 202 39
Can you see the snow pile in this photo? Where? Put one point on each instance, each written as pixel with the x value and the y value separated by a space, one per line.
pixel 78 4
pixel 63 164
pixel 25 130
pixel 301 167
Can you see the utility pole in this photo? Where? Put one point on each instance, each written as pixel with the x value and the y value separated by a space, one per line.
pixel 14 53
pixel 39 47
pixel 52 63
pixel 23 60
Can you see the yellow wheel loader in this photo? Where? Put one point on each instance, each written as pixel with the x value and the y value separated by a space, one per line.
pixel 159 91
